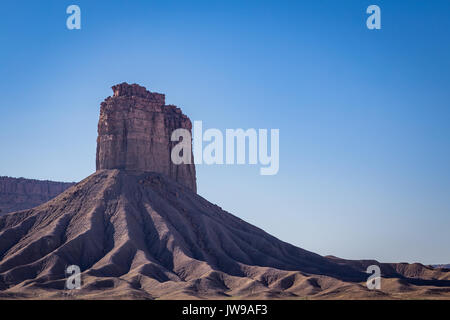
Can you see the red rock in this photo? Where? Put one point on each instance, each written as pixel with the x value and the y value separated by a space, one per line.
pixel 134 134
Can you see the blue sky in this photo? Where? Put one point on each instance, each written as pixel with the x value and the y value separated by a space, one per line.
pixel 364 116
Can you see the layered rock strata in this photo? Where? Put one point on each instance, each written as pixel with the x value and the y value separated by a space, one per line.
pixel 134 133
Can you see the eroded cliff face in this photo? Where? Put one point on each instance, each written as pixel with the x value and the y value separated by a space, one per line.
pixel 134 133
pixel 21 194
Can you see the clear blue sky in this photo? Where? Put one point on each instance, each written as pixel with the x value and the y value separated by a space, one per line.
pixel 364 116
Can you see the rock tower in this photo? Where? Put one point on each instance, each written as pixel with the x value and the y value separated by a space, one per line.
pixel 134 134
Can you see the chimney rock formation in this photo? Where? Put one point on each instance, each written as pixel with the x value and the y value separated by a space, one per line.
pixel 134 134
pixel 137 234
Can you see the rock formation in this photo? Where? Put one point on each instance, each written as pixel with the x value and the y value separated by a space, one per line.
pixel 137 230
pixel 141 235
pixel 441 266
pixel 134 133
pixel 20 194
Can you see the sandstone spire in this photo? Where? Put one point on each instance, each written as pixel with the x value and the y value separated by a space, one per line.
pixel 134 134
